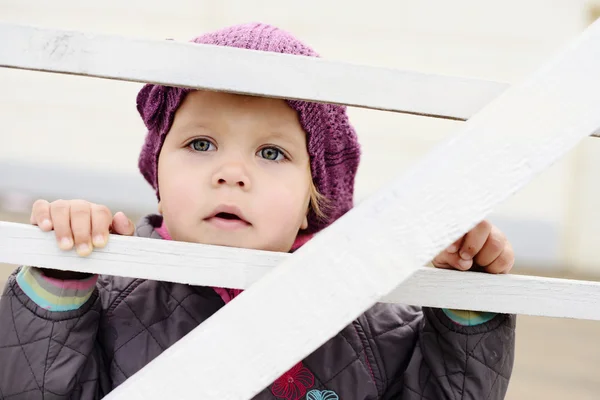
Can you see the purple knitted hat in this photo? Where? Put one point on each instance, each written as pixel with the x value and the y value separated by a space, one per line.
pixel 332 143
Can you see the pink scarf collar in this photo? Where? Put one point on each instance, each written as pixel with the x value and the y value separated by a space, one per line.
pixel 229 294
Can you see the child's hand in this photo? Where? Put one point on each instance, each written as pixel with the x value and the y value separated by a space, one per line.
pixel 79 222
pixel 485 245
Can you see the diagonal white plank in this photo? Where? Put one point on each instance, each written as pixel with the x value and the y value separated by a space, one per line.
pixel 367 253
pixel 204 265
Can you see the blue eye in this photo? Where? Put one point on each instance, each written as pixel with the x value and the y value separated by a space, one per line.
pixel 201 145
pixel 272 154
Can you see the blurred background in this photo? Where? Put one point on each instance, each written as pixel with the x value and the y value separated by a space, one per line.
pixel 73 137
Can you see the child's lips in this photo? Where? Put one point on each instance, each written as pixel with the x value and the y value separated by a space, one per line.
pixel 227 217
pixel 227 224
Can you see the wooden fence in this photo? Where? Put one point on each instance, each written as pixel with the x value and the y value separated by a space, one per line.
pixel 377 251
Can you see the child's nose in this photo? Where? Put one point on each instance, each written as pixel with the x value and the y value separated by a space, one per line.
pixel 232 174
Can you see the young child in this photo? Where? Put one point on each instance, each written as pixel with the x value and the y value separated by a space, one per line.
pixel 248 172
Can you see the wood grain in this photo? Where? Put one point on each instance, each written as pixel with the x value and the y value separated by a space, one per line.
pixel 243 71
pixel 204 265
pixel 374 248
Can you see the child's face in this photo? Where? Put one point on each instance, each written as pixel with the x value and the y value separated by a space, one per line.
pixel 228 157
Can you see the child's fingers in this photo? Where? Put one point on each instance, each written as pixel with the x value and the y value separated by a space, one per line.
pixel 474 240
pixel 101 220
pixel 453 248
pixel 81 226
pixel 121 225
pixel 492 248
pixel 442 265
pixel 501 265
pixel 451 260
pixel 40 215
pixel 504 263
pixel 61 219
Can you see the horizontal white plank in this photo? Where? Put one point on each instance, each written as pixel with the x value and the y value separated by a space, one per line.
pixel 375 247
pixel 203 265
pixel 243 71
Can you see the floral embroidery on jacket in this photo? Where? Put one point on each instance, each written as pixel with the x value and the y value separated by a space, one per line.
pixel 294 384
pixel 322 395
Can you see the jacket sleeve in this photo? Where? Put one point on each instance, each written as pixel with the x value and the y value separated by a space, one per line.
pixel 437 354
pixel 48 346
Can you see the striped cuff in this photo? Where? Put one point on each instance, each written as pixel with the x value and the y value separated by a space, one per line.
pixel 468 318
pixel 54 294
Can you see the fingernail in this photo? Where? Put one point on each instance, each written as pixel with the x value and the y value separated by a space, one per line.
pixel 452 248
pixel 46 224
pixel 65 244
pixel 83 249
pixel 465 256
pixel 464 263
pixel 99 241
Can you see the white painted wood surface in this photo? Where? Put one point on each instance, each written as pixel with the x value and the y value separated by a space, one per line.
pixel 204 265
pixel 243 71
pixel 367 253
pixel 377 246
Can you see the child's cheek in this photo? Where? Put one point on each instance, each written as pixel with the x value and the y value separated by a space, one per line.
pixel 286 205
pixel 179 190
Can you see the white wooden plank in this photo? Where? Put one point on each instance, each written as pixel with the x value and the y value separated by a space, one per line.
pixel 141 258
pixel 367 253
pixel 504 167
pixel 510 294
pixel 243 71
pixel 203 265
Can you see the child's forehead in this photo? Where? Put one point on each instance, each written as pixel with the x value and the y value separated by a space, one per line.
pixel 206 99
pixel 205 107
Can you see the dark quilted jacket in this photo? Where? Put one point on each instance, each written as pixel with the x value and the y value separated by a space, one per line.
pixel 390 352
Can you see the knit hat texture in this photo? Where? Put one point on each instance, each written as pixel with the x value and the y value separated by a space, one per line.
pixel 331 141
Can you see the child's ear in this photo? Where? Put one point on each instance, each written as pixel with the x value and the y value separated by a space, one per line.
pixel 304 222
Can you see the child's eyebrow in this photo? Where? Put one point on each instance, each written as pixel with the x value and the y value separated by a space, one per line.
pixel 189 128
pixel 295 139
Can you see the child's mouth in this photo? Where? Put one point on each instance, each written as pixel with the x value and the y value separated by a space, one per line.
pixel 225 215
pixel 227 218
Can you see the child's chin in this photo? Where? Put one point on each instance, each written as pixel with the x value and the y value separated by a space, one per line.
pixel 230 242
pixel 243 241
